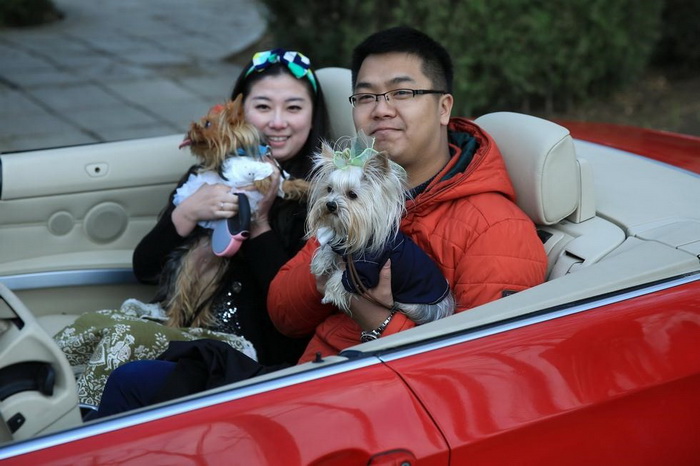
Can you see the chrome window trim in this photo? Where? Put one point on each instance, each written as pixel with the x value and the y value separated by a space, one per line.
pixel 66 278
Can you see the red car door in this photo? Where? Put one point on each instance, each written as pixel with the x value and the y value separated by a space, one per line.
pixel 610 382
pixel 358 412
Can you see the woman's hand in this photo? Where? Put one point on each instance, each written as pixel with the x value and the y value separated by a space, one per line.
pixel 209 202
pixel 367 314
pixel 261 221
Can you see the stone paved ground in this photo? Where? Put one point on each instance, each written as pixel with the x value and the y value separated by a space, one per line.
pixel 119 69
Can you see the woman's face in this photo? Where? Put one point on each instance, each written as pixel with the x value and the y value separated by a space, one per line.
pixel 281 108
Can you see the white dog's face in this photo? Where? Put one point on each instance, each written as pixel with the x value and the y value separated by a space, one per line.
pixel 354 207
pixel 341 205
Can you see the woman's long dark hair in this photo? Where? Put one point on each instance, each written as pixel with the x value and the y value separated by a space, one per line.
pixel 298 166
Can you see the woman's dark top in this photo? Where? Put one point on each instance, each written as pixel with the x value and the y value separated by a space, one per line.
pixel 240 304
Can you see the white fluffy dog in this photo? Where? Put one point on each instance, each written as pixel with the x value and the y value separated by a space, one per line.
pixel 356 203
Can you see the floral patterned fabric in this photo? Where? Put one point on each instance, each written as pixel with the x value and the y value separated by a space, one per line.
pixel 99 342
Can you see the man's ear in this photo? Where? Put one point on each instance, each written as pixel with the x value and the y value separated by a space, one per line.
pixel 445 108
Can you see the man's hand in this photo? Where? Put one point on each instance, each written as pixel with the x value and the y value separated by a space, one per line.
pixel 367 314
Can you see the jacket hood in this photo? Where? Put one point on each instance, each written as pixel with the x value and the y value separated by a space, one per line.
pixel 475 167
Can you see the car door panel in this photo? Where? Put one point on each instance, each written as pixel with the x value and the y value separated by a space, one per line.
pixel 81 209
pixel 89 168
pixel 616 384
pixel 374 419
pixel 53 205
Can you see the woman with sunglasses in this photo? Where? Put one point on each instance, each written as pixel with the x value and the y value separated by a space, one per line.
pixel 283 100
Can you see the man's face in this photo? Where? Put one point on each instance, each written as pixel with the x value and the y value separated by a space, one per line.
pixel 411 130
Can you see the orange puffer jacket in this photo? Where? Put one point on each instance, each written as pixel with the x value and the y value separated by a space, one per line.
pixel 466 220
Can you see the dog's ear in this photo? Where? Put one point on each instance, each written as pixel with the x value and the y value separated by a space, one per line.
pixel 379 161
pixel 234 110
pixel 327 153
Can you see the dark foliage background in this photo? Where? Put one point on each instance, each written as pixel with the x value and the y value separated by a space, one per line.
pixel 507 53
pixel 21 13
pixel 554 57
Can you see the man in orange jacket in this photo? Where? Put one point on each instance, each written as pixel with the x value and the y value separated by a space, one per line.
pixel 463 212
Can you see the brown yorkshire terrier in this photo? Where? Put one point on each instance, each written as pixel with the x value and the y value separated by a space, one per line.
pixel 230 151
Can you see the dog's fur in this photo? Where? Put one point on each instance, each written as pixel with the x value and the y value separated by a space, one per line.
pixel 191 277
pixel 358 210
pixel 193 272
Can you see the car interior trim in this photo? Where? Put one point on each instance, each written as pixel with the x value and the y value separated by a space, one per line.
pixel 66 278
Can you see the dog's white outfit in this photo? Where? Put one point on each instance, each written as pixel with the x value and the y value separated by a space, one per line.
pixel 240 171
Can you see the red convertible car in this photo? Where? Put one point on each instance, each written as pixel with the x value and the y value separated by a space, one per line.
pixel 598 365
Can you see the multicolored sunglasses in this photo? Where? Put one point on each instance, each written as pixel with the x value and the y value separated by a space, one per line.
pixel 297 63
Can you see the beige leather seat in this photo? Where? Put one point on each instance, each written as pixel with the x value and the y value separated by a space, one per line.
pixel 554 188
pixel 337 87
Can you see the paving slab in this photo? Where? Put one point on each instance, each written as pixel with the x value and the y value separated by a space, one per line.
pixel 113 70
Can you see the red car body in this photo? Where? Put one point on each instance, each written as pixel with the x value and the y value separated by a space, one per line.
pixel 592 384
pixel 609 379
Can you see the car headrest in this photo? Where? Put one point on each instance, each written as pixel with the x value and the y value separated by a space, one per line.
pixel 337 87
pixel 541 161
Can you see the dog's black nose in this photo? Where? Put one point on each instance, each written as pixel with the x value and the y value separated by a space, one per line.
pixel 331 206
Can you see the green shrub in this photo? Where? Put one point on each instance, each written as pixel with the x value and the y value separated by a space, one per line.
pixel 680 35
pixel 507 53
pixel 19 13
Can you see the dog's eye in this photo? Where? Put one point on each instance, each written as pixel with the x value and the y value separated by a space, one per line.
pixel 329 189
pixel 207 124
pixel 352 195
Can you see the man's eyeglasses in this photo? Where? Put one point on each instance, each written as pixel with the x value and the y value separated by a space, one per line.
pixel 367 98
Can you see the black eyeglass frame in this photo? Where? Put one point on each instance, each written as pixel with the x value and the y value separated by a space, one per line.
pixel 414 92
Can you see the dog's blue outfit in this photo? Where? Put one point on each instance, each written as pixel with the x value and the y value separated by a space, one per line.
pixel 415 277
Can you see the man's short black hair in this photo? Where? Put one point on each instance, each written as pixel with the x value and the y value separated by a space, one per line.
pixel 437 64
